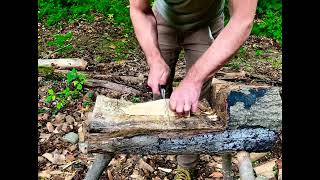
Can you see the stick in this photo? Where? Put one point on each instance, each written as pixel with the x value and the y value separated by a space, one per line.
pixel 226 166
pixel 98 166
pixel 245 166
pixel 70 63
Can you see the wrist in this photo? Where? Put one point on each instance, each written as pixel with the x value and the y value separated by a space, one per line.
pixel 194 76
pixel 153 57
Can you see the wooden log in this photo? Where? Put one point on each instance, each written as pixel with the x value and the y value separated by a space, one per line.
pixel 110 120
pixel 68 63
pixel 247 106
pixel 235 105
pixel 247 139
pixel 112 86
pixel 98 166
pixel 245 166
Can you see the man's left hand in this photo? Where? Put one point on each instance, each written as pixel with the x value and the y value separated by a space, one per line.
pixel 185 97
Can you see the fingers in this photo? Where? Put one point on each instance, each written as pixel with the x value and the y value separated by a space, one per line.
pixel 180 105
pixel 194 106
pixel 154 86
pixel 163 78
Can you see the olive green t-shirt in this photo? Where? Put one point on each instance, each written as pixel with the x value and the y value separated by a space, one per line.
pixel 189 14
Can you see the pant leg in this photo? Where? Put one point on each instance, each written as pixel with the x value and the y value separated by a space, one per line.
pixel 195 43
pixel 169 48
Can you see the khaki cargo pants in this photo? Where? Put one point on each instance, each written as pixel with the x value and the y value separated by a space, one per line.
pixel 194 43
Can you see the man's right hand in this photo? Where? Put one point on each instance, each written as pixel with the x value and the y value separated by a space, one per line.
pixel 158 75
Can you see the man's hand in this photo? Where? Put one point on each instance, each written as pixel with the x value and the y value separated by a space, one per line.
pixel 158 75
pixel 186 96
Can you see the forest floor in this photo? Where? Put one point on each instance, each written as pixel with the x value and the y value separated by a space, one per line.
pixel 109 50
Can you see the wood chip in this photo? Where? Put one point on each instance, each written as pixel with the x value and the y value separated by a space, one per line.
pixel 165 169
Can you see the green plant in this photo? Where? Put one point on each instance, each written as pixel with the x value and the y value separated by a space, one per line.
pixel 53 12
pixel 135 99
pixel 88 100
pixel 41 111
pixel 275 63
pixel 62 42
pixel 259 52
pixel 268 20
pixel 75 82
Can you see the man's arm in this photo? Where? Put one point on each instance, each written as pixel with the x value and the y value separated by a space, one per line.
pixel 229 40
pixel 145 27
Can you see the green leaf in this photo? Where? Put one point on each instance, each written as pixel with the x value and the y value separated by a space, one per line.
pixel 59 105
pixel 48 99
pixel 75 83
pixel 79 87
pixel 51 92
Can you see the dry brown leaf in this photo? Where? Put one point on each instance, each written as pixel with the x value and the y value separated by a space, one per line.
pixel 64 127
pixel 69 177
pixel 44 137
pixel 44 174
pixel 145 166
pixel 216 175
pixel 279 163
pixel 109 174
pixel 56 172
pixel 58 128
pixel 136 175
pixel 49 127
pixel 70 158
pixel 43 116
pixel 55 158
pixel 48 156
pixel 72 147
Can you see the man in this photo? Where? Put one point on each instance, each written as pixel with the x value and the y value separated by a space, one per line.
pixel 197 27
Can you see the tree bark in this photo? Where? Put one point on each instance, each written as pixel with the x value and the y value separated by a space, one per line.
pixel 250 140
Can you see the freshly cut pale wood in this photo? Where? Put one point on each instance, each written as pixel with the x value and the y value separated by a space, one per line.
pixel 151 108
pixel 67 63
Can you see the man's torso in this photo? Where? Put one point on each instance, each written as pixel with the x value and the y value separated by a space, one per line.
pixel 189 14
